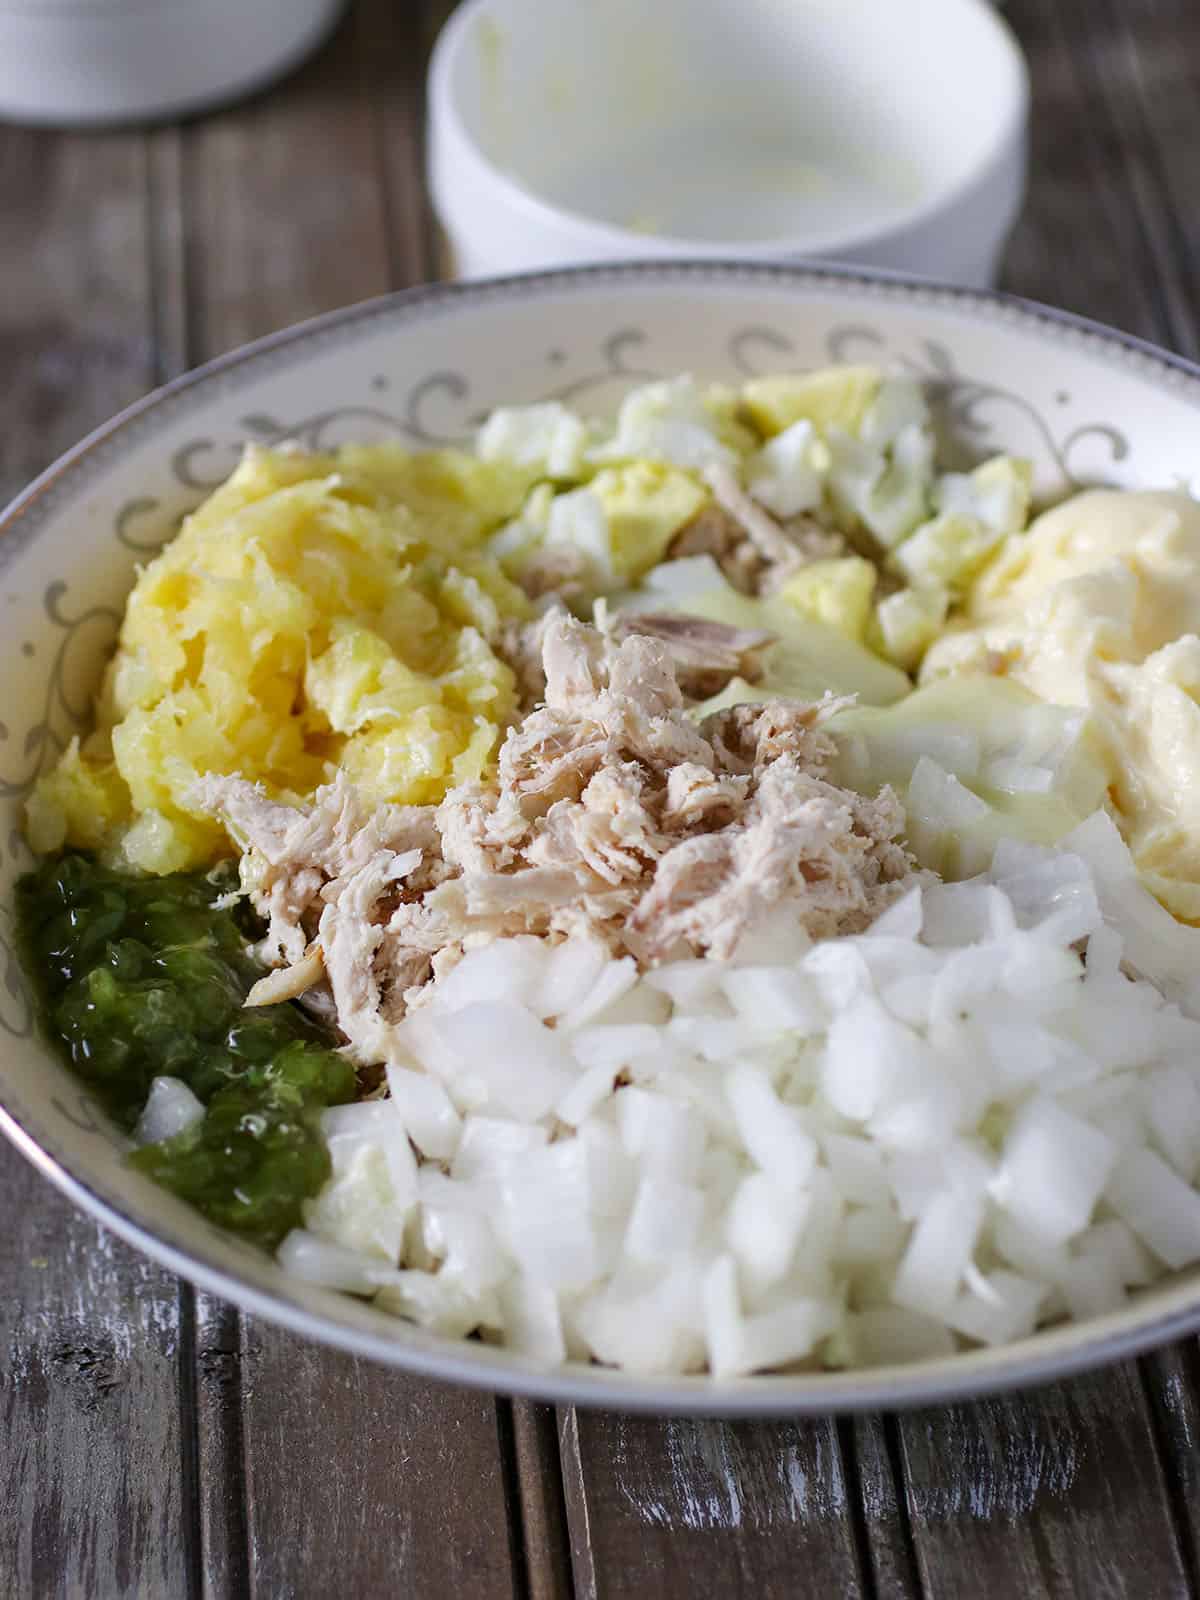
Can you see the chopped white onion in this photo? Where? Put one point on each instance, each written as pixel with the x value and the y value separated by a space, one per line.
pixel 943 1131
pixel 1053 1170
pixel 426 1111
pixel 170 1109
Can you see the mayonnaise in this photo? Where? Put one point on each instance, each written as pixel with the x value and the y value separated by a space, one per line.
pixel 1098 606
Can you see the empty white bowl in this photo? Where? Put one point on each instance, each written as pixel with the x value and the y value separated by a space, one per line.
pixel 89 63
pixel 887 134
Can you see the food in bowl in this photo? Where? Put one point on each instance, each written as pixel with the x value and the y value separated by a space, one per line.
pixel 620 891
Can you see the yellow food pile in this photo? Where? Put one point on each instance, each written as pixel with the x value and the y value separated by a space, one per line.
pixel 315 609
pixel 1098 606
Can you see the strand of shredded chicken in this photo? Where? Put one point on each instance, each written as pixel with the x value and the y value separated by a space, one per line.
pixel 613 815
pixel 756 553
pixel 704 655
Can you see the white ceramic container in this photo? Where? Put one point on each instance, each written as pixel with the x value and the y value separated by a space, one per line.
pixel 68 63
pixel 891 135
pixel 1086 404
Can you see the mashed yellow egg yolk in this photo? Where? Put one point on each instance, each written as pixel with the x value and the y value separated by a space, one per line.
pixel 1098 606
pixel 314 610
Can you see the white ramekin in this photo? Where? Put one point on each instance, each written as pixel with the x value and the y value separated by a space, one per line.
pixel 869 131
pixel 79 63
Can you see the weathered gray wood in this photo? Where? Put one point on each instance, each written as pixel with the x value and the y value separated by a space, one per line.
pixel 546 1539
pixel 73 326
pixel 1172 1381
pixel 212 1406
pixel 661 1507
pixel 283 202
pixel 94 1444
pixel 1083 242
pixel 1155 60
pixel 1055 1493
pixel 167 243
pixel 362 1481
pixel 869 1445
pixel 91 1437
pixel 395 42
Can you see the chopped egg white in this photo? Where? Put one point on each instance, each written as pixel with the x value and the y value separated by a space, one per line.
pixel 666 421
pixel 546 436
pixel 787 475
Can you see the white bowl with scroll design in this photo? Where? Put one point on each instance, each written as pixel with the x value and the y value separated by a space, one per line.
pixel 563 131
pixel 1086 404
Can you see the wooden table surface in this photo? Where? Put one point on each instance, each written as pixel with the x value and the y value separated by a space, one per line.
pixel 157 1443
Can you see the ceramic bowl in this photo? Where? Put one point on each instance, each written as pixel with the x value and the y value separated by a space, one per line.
pixel 1086 404
pixel 889 135
pixel 86 63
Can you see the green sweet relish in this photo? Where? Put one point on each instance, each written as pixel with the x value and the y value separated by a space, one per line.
pixel 141 977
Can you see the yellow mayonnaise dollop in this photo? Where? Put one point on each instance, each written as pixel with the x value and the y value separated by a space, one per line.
pixel 1098 606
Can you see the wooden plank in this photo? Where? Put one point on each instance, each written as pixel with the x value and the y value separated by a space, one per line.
pixel 283 202
pixel 73 323
pixel 1156 59
pixel 213 1408
pixel 546 1538
pixel 660 1507
pixel 870 1447
pixel 93 1449
pixel 362 1481
pixel 1083 240
pixel 1114 57
pixel 395 42
pixel 97 1465
pixel 1172 1381
pixel 1054 1493
pixel 167 246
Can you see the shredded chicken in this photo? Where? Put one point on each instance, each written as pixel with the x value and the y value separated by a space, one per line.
pixel 612 813
pixel 800 839
pixel 756 553
pixel 559 570
pixel 705 655
pixel 813 541
pixel 297 852
pixel 761 528
pixel 713 532
pixel 520 643
pixel 289 983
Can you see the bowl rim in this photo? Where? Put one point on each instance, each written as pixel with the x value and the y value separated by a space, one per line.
pixel 445 118
pixel 1048 1355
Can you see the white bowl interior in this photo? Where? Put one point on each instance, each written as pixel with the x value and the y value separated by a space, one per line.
pixel 1085 405
pixel 721 124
